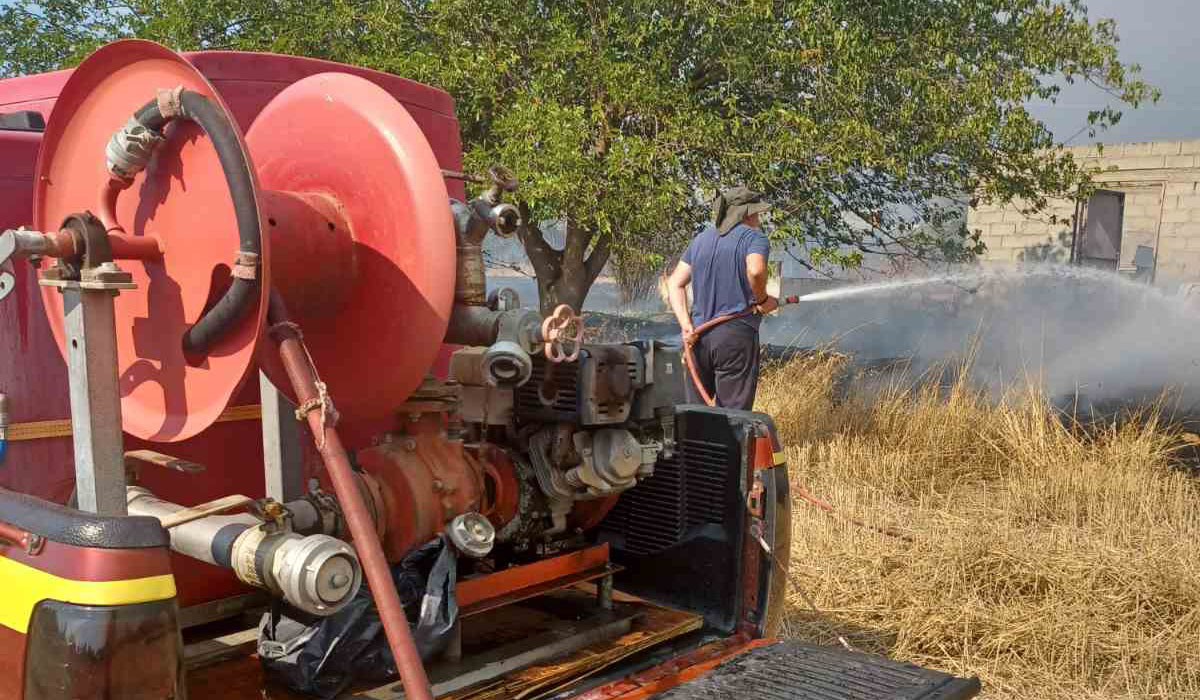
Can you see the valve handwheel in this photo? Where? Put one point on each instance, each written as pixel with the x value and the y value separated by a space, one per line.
pixel 561 329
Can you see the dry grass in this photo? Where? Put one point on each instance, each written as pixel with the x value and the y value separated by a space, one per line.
pixel 1050 561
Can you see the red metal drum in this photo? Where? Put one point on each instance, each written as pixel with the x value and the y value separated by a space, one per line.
pixel 360 224
pixel 182 200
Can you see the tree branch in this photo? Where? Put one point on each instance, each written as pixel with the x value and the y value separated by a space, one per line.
pixel 598 259
pixel 546 261
pixel 576 245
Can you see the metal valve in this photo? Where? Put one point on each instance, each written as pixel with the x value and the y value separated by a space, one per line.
pixel 561 329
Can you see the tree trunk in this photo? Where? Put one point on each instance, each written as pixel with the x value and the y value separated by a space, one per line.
pixel 563 276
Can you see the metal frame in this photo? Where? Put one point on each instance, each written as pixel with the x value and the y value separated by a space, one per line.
pixel 283 461
pixel 91 339
pixel 519 583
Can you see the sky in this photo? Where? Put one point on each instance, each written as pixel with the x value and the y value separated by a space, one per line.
pixel 1158 34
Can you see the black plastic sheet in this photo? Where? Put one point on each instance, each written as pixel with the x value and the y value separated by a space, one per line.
pixel 323 656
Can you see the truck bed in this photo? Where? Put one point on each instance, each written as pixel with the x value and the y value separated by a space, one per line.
pixel 796 671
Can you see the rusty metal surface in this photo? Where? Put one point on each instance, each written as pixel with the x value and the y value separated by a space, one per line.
pixel 654 626
pixel 426 480
pixel 674 672
pixel 504 493
pixel 164 396
pixel 518 583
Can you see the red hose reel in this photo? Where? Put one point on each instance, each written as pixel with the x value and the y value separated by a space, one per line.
pixel 357 238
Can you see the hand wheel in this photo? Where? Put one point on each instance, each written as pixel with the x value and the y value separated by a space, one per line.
pixel 557 333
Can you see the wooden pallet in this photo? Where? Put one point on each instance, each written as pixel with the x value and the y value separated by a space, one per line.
pixel 505 639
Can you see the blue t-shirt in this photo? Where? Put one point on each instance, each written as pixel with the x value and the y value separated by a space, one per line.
pixel 719 282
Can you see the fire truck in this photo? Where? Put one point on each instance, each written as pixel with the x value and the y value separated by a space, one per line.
pixel 265 433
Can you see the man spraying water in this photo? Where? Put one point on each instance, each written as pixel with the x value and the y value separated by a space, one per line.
pixel 726 264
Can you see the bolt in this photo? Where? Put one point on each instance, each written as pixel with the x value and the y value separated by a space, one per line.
pixel 339 581
pixel 410 444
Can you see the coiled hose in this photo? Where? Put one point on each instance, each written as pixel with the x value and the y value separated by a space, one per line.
pixel 129 152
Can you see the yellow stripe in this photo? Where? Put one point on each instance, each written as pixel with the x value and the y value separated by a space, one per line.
pixel 43 429
pixel 24 587
pixel 780 458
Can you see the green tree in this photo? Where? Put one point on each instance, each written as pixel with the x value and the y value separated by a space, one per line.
pixel 863 121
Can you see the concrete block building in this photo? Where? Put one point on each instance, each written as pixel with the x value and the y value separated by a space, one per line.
pixel 1144 221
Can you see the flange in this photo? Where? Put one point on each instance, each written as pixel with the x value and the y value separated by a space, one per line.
pixel 183 201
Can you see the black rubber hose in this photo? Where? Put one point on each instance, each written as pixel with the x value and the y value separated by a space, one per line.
pixel 239 298
pixel 149 117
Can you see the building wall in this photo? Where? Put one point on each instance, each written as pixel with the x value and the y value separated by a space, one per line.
pixel 1162 210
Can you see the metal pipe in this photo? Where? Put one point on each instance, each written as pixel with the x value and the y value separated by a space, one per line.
pixel 470 285
pixel 317 573
pixel 109 192
pixel 303 378
pixel 473 325
pixel 63 244
pixel 208 539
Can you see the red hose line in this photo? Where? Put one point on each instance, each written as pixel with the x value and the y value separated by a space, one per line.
pixel 362 526
pixel 690 358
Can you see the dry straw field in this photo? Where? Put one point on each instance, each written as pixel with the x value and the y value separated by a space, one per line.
pixel 1051 561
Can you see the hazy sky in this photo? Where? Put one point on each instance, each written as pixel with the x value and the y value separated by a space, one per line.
pixel 1159 35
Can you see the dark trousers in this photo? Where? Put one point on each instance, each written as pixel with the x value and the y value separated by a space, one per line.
pixel 727 362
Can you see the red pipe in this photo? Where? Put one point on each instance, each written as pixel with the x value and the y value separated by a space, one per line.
pixel 362 527
pixel 109 191
pixel 124 246
pixel 689 356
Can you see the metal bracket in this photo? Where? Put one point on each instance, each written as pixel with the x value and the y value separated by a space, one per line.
pixel 204 510
pixel 135 458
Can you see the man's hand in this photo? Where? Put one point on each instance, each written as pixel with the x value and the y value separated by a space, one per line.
pixel 688 332
pixel 767 306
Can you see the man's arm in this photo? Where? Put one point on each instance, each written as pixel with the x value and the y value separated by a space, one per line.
pixel 677 292
pixel 756 272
